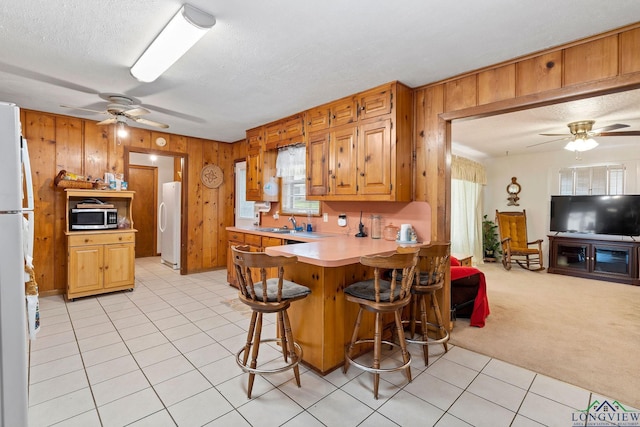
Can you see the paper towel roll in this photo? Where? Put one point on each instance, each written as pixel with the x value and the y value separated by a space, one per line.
pixel 262 206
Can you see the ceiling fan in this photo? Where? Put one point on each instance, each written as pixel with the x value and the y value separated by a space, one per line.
pixel 120 108
pixel 582 133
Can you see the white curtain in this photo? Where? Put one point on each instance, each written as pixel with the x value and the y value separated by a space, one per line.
pixel 291 162
pixel 467 179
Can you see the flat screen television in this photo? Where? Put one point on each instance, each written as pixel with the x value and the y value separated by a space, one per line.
pixel 610 215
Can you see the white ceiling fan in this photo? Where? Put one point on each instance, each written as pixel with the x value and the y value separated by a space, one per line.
pixel 582 133
pixel 120 108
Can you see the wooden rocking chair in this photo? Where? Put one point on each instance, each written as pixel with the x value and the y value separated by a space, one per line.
pixel 515 245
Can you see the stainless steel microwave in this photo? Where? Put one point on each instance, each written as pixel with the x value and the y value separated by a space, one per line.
pixel 93 219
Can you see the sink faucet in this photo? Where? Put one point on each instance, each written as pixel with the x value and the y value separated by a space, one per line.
pixel 293 221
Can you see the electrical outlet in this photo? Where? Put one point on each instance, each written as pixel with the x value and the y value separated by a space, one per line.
pixel 325 217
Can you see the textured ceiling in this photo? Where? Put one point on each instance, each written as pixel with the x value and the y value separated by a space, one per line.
pixel 264 60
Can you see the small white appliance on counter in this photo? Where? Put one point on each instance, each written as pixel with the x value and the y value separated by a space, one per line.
pixel 16 235
pixel 169 215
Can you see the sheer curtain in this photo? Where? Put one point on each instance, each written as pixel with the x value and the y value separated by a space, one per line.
pixel 467 179
pixel 291 162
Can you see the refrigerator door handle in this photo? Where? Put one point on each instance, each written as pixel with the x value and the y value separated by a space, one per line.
pixel 28 180
pixel 162 217
pixel 28 228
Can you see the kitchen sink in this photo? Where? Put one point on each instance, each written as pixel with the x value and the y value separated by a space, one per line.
pixel 275 230
pixel 291 232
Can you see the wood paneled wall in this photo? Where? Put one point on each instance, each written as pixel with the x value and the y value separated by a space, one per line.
pixel 59 142
pixel 602 64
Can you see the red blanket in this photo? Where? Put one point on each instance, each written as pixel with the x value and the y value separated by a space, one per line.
pixel 481 303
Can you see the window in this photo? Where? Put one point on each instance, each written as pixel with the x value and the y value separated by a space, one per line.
pixel 592 180
pixel 291 167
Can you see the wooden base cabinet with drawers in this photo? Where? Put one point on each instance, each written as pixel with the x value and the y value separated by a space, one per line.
pixel 100 261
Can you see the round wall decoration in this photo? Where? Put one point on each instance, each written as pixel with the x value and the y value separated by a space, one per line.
pixel 211 176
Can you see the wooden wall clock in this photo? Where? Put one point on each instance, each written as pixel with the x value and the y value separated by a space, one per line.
pixel 212 176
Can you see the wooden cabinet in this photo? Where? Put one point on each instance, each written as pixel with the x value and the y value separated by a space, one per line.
pixel 234 239
pixel 343 111
pixel 334 114
pixel 318 164
pixel 256 243
pixel 284 132
pixel 104 260
pixel 614 261
pixel 369 157
pixel 261 166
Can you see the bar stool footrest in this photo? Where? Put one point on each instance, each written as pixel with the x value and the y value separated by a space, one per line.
pixel 294 361
pixel 428 341
pixel 377 370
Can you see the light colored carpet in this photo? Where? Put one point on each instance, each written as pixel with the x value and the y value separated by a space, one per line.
pixel 581 331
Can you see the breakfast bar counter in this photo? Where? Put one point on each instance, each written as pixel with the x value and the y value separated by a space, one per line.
pixel 323 322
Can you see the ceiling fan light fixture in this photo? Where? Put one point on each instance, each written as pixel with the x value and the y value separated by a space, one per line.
pixel 178 36
pixel 581 143
pixel 121 127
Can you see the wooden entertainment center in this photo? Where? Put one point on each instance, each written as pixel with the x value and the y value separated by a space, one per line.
pixel 591 258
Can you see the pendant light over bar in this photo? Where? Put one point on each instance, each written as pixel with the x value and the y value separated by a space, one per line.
pixel 178 36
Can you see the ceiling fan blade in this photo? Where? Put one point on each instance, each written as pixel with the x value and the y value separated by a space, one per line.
pixel 627 133
pixel 608 128
pixel 83 109
pixel 135 112
pixel 547 142
pixel 553 134
pixel 149 122
pixel 107 121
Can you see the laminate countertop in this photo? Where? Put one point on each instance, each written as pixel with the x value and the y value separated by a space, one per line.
pixel 328 249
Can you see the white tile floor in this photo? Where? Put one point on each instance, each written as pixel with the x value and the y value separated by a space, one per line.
pixel 163 355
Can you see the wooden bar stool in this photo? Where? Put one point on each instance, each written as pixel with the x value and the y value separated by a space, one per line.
pixel 379 297
pixel 430 275
pixel 265 295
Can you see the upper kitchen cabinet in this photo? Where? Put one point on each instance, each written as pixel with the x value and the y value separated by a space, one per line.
pixel 368 157
pixel 289 131
pixel 261 166
pixel 255 140
pixel 317 118
pixel 375 102
pixel 343 111
pixel 334 114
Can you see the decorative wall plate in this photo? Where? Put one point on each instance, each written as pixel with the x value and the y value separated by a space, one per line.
pixel 211 176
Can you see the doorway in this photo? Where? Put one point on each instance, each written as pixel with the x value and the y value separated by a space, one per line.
pixel 144 181
pixel 169 167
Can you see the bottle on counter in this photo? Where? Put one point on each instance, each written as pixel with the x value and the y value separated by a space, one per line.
pixel 376 226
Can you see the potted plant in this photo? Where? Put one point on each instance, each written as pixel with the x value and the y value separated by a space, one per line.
pixel 490 240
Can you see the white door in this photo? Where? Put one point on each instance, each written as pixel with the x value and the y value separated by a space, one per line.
pixel 245 215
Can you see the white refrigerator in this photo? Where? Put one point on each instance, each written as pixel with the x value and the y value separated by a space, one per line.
pixel 16 235
pixel 169 224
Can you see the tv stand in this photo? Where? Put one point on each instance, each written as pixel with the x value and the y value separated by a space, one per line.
pixel 593 258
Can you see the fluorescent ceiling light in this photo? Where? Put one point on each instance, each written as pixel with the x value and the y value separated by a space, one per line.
pixel 178 36
pixel 581 143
